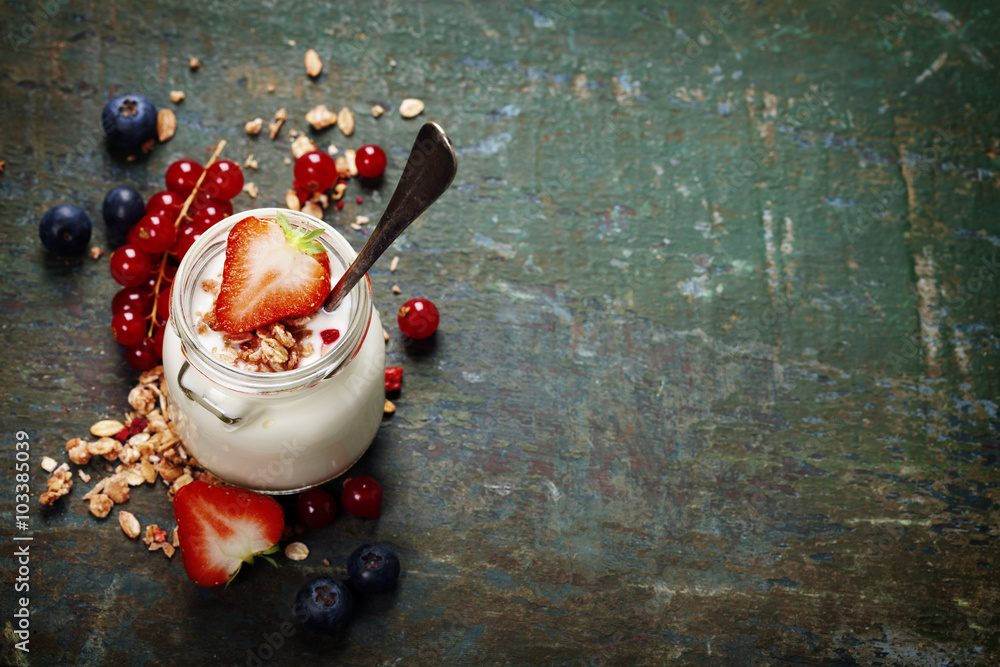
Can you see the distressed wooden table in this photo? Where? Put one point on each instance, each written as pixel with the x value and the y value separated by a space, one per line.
pixel 717 377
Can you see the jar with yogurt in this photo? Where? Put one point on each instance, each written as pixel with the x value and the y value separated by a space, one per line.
pixel 274 432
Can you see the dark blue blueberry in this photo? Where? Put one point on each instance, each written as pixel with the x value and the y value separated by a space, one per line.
pixel 65 230
pixel 324 605
pixel 129 120
pixel 123 207
pixel 372 568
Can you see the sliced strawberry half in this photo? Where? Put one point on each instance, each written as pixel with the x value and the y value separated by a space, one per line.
pixel 222 527
pixel 272 271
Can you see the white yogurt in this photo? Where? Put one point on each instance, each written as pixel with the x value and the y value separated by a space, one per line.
pixel 274 432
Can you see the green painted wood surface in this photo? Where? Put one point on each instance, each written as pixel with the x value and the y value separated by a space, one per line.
pixel 717 377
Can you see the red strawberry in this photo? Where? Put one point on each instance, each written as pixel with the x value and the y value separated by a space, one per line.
pixel 272 271
pixel 222 527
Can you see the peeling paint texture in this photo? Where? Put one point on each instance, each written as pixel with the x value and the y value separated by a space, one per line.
pixel 717 375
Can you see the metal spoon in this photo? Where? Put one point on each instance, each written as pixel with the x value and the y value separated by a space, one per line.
pixel 428 173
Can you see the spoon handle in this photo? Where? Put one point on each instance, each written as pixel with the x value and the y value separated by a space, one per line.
pixel 428 172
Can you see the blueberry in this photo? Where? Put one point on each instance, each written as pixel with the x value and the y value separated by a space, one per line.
pixel 129 120
pixel 65 230
pixel 123 207
pixel 372 568
pixel 324 605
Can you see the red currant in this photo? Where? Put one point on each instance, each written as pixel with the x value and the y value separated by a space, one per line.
pixel 130 266
pixel 210 215
pixel 182 176
pixel 203 202
pixel 418 318
pixel 128 327
pixel 142 356
pixel 315 172
pixel 158 341
pixel 165 204
pixel 186 236
pixel 362 496
pixel 155 234
pixel 371 161
pixel 226 177
pixel 315 508
pixel 163 304
pixel 131 298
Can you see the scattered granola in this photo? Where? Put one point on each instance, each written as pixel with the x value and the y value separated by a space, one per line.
pixel 250 162
pixel 296 551
pixel 106 428
pixel 251 189
pixel 396 290
pixel 378 110
pixel 129 524
pixel 177 96
pixel 302 145
pixel 345 121
pixel 48 464
pixel 253 127
pixel 166 124
pixel 314 66
pixel 292 201
pixel 351 156
pixel 343 169
pixel 194 63
pixel 411 107
pixel 280 116
pixel 320 117
pixel 100 505
pixel 96 252
pixel 59 484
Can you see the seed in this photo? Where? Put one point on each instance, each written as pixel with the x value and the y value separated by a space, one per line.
pixel 411 107
pixel 130 525
pixel 106 428
pixel 313 63
pixel 166 124
pixel 345 121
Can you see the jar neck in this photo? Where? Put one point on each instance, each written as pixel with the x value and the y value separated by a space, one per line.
pixel 183 320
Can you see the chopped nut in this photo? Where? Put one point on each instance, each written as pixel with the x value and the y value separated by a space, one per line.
pixel 253 127
pixel 331 150
pixel 102 447
pixel 194 63
pixel 84 477
pixel 378 110
pixel 345 121
pixel 48 464
pixel 314 66
pixel 411 107
pixel 100 505
pixel 320 117
pixel 302 145
pixel 396 290
pixel 129 524
pixel 59 484
pixel 296 551
pixel 394 264
pixel 343 169
pixel 251 189
pixel 320 198
pixel 362 219
pixel 105 428
pixel 98 488
pixel 166 124
pixel 177 96
pixel 250 162
pixel 338 190
pixel 351 156
pixel 385 334
pixel 313 209
pixel 389 408
pixel 96 252
pixel 280 116
pixel 168 549
pixel 292 201
pixel 270 88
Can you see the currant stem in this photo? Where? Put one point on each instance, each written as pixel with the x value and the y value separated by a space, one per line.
pixel 177 224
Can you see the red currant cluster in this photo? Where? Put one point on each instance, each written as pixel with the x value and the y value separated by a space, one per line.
pixel 317 172
pixel 195 199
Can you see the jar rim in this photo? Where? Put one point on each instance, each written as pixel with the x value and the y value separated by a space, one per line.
pixel 205 249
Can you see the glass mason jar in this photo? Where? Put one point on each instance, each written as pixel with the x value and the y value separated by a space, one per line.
pixel 275 432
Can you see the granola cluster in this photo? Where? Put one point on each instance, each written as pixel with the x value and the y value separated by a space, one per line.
pixel 276 347
pixel 145 447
